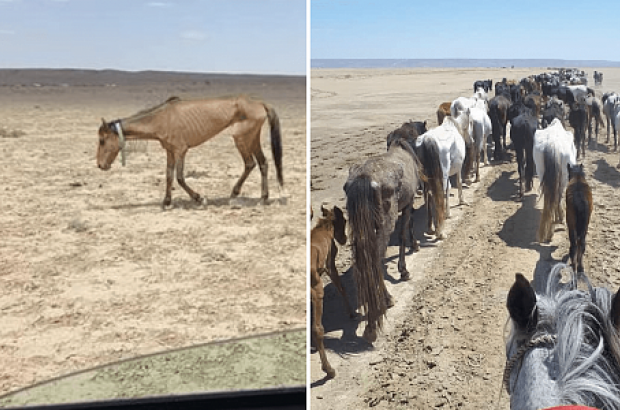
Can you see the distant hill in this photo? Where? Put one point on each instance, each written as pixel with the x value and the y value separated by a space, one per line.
pixel 76 77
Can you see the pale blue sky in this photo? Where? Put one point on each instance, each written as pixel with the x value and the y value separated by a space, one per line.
pixel 547 29
pixel 238 36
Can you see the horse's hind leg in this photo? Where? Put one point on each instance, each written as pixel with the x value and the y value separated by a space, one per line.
pixel 429 210
pixel 318 331
pixel 402 265
pixel 181 180
pixel 262 166
pixel 248 160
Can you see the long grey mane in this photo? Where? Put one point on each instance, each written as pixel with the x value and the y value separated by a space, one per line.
pixel 586 350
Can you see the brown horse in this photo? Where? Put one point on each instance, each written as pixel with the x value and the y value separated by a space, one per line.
pixel 443 111
pixel 578 211
pixel 179 125
pixel 323 253
pixel 377 190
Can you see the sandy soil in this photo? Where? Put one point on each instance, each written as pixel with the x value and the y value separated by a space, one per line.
pixel 93 271
pixel 443 342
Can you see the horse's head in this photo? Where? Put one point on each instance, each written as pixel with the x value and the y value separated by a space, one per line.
pixel 108 146
pixel 337 218
pixel 575 171
pixel 563 343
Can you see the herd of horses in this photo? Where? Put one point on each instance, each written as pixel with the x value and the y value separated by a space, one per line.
pixel 418 159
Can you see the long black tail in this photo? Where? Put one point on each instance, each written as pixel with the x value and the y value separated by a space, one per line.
pixel 276 141
pixel 428 153
pixel 363 207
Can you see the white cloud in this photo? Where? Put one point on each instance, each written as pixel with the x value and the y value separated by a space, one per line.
pixel 193 35
pixel 6 32
pixel 160 4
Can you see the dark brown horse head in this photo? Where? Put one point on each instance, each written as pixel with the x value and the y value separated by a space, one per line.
pixel 575 171
pixel 337 217
pixel 108 146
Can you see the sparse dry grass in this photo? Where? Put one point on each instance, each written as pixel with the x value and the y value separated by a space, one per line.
pixel 6 133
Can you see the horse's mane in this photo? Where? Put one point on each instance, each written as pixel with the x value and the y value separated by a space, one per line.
pixel 587 343
pixel 406 143
pixel 153 110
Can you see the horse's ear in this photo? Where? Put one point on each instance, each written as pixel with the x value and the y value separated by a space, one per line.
pixel 521 303
pixel 615 311
pixel 339 214
pixel 324 211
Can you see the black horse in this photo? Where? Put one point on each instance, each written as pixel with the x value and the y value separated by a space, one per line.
pixel 578 118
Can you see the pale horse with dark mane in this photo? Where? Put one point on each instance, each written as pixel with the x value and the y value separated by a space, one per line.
pixel 563 347
pixel 179 125
pixel 377 191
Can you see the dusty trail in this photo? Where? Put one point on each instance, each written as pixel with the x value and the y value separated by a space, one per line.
pixel 443 345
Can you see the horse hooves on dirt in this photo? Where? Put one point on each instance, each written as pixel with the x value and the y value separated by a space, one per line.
pixel 404 276
pixel 370 335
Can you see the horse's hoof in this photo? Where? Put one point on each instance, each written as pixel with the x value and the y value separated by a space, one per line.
pixel 370 335
pixel 167 206
pixel 330 373
pixel 404 276
pixel 389 301
pixel 235 203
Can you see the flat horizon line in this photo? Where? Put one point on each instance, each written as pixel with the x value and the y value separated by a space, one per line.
pixel 142 71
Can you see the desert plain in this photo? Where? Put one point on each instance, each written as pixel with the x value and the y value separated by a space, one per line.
pixel 93 271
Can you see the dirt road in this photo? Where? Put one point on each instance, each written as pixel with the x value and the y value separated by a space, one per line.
pixel 443 344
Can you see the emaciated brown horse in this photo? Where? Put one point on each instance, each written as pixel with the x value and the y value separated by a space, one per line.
pixel 323 253
pixel 179 125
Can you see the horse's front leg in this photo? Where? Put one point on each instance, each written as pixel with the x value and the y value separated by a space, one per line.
pixel 181 180
pixel 169 178
pixel 402 265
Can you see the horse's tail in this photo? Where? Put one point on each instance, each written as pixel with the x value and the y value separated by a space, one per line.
pixel 429 156
pixel 364 209
pixel 550 191
pixel 276 140
pixel 596 111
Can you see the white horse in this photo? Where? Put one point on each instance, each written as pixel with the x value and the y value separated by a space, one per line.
pixel 479 130
pixel 609 103
pixel 450 139
pixel 553 150
pixel 480 94
pixel 616 119
pixel 563 345
pixel 461 104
